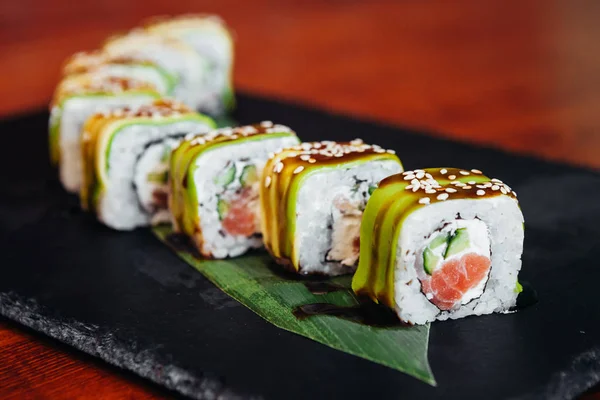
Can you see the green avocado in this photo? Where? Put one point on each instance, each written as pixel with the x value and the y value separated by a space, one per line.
pixel 222 208
pixel 439 241
pixel 430 260
pixel 518 288
pixel 249 175
pixel 226 177
pixel 458 242
pixel 158 177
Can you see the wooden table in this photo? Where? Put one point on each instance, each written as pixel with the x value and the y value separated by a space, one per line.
pixel 524 76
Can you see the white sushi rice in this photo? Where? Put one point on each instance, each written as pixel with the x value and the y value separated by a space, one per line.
pixel 178 58
pixel 216 242
pixel 209 38
pixel 315 210
pixel 74 113
pixel 503 222
pixel 119 206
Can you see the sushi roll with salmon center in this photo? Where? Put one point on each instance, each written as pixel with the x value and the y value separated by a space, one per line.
pixel 441 243
pixel 214 186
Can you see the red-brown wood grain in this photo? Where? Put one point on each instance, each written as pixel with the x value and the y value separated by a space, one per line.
pixel 524 76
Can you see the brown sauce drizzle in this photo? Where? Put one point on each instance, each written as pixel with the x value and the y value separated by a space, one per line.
pixel 366 313
pixel 181 242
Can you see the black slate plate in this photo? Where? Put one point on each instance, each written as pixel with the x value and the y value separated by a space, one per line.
pixel 128 299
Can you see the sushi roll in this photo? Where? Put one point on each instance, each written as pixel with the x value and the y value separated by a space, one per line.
pixel 312 199
pixel 173 55
pixel 214 186
pixel 77 98
pixel 441 243
pixel 212 39
pixel 121 67
pixel 124 176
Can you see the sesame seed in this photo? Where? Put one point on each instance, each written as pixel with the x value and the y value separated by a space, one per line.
pixel 420 175
pixel 415 188
pixel 480 192
pixel 457 183
pixel 305 157
pixel 442 196
pixel 467 187
pixel 424 200
pixel 476 171
pixel 496 180
pixel 415 182
pixel 495 187
pixel 391 151
pixel 464 172
pixel 416 171
pixel 298 169
pixel 428 176
pixel 430 191
pixel 408 187
pixel 407 173
pixel 278 167
pixel 451 190
pixel 268 181
pixel 451 177
pixel 312 161
pixel 409 177
pixel 443 171
pixel 514 193
pixel 471 182
pixel 504 191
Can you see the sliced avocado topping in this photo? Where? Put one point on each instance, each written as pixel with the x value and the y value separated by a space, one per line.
pixel 166 154
pixel 226 177
pixel 439 240
pixel 430 260
pixel 249 175
pixel 458 242
pixel 518 288
pixel 372 189
pixel 158 177
pixel 222 208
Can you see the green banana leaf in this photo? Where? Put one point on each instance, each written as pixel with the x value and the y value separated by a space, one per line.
pixel 251 281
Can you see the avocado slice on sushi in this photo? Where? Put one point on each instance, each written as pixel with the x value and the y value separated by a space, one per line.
pixel 226 177
pixel 158 177
pixel 249 175
pixel 458 242
pixel 222 208
pixel 430 259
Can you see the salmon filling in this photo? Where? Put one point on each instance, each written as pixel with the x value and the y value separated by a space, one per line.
pixel 456 264
pixel 238 204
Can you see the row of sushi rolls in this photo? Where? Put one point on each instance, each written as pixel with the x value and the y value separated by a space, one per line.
pixel 132 132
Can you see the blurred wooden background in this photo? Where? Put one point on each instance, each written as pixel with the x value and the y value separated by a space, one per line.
pixel 523 75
